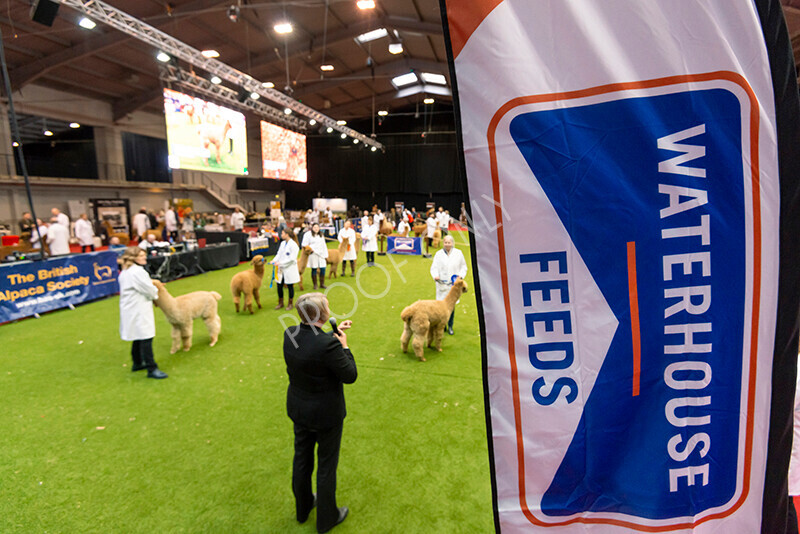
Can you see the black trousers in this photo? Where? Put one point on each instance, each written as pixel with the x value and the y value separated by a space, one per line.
pixel 280 290
pixel 84 247
pixel 142 354
pixel 328 441
pixel 370 257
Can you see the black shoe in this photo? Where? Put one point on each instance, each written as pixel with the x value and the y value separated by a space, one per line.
pixel 304 518
pixel 138 367
pixel 343 511
pixel 156 373
pixel 450 330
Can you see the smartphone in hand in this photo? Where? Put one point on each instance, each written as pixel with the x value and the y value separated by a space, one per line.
pixel 335 327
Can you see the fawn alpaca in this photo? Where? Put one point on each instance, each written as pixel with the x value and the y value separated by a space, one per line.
pixel 426 320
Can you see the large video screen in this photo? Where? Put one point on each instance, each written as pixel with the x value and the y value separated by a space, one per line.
pixel 283 153
pixel 203 136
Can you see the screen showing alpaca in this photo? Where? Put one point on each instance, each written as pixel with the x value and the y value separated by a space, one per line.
pixel 283 153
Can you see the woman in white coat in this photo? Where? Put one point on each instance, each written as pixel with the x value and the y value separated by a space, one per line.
pixel 286 264
pixel 350 252
pixel 84 232
pixel 447 264
pixel 319 254
pixel 370 236
pixel 430 230
pixel 136 320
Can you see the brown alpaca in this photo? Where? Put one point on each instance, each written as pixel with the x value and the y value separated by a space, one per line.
pixel 437 238
pixel 249 283
pixel 302 262
pixel 426 319
pixel 335 256
pixel 420 229
pixel 183 310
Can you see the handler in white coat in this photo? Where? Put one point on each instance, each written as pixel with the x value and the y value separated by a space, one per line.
pixel 446 263
pixel 171 222
pixel 370 236
pixel 430 229
pixel 285 262
pixel 349 234
pixel 57 238
pixel 141 223
pixel 317 260
pixel 136 321
pixel 85 233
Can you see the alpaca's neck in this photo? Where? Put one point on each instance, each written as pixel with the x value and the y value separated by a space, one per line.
pixel 259 270
pixel 452 297
pixel 166 301
pixel 343 245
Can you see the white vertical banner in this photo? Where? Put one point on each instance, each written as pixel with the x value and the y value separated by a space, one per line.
pixel 622 166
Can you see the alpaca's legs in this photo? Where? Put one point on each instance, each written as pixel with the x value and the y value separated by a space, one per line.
pixel 236 301
pixel 404 339
pixel 420 328
pixel 186 335
pixel 176 340
pixel 257 295
pixel 431 336
pixel 248 302
pixel 438 337
pixel 213 324
pixel 418 346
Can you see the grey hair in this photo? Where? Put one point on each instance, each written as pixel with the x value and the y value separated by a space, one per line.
pixel 312 308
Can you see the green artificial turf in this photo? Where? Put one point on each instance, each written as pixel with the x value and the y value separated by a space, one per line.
pixel 88 446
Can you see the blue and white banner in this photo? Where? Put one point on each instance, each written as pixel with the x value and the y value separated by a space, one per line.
pixel 626 155
pixel 404 245
pixel 42 286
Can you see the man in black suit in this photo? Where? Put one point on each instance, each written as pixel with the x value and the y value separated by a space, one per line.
pixel 318 364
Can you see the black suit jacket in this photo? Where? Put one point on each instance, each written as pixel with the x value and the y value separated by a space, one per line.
pixel 318 365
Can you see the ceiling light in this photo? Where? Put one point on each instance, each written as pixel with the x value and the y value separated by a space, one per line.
pixel 404 79
pixel 326 68
pixel 312 122
pixel 15 144
pixel 344 136
pixel 283 27
pixel 255 96
pixel 355 141
pixel 429 77
pixel 374 148
pixel 210 53
pixel 428 101
pixel 268 85
pixel 341 123
pixel 366 4
pixel 163 57
pixel 395 48
pixel 47 133
pixel 87 23
pixel 74 125
pixel 329 129
pixel 216 80
pixel 383 113
pixel 371 36
pixel 287 111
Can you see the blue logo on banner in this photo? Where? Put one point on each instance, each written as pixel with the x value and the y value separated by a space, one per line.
pixel 404 245
pixel 37 287
pixel 663 172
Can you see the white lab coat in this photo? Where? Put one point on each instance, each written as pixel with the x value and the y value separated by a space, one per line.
pixel 445 266
pixel 35 238
pixel 364 223
pixel 403 227
pixel 350 235
pixel 443 220
pixel 431 222
pixel 370 236
pixel 329 215
pixel 171 221
pixel 319 250
pixel 286 260
pixel 141 223
pixel 136 294
pixel 84 232
pixel 58 239
pixel 237 220
pixel 63 220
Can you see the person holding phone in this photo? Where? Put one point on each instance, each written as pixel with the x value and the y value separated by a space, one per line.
pixel 318 364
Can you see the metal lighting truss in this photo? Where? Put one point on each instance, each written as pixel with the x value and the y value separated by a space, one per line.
pixel 183 79
pixel 111 16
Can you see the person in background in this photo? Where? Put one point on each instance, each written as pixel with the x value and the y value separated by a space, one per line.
pixel 286 264
pixel 370 236
pixel 150 242
pixel 463 217
pixel 171 223
pixel 57 238
pixel 447 263
pixel 403 227
pixel 309 217
pixel 318 364
pixel 319 253
pixel 85 233
pixel 141 223
pixel 187 226
pixel 443 220
pixel 61 218
pixel 26 226
pixel 136 320
pixel 281 225
pixel 220 218
pixel 348 233
pixel 429 231
pixel 237 220
pixel 114 244
pixel 379 217
pixel 153 220
pixel 36 235
pixel 413 215
pixel 315 216
pixel 364 221
pixel 329 214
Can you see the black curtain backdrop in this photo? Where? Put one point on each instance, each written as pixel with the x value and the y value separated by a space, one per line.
pixel 69 154
pixel 145 158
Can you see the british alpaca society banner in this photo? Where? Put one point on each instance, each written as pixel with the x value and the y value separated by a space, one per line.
pixel 625 157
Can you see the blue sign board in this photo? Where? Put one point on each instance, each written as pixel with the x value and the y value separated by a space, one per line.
pixel 405 245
